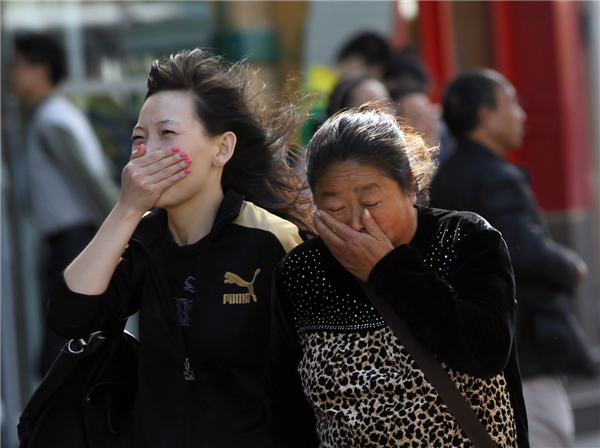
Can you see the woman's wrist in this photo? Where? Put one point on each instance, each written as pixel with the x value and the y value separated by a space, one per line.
pixel 124 212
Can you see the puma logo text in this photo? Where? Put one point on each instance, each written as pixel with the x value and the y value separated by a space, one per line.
pixel 230 277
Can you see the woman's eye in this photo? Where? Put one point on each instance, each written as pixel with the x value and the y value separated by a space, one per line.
pixel 371 205
pixel 334 210
pixel 167 131
pixel 136 137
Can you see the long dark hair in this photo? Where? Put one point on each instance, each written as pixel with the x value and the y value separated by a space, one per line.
pixel 371 136
pixel 223 101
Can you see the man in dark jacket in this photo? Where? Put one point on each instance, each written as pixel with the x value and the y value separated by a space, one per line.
pixel 482 112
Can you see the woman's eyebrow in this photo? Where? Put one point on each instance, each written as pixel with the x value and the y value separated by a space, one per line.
pixel 168 122
pixel 141 128
pixel 330 194
pixel 370 186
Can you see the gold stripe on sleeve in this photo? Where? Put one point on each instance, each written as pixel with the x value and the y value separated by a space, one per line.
pixel 258 218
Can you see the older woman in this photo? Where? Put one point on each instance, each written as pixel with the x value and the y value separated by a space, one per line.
pixel 337 375
pixel 211 162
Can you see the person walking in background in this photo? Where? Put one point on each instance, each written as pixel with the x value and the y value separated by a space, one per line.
pixel 355 91
pixel 71 187
pixel 366 54
pixel 361 64
pixel 408 82
pixel 414 106
pixel 405 69
pixel 481 110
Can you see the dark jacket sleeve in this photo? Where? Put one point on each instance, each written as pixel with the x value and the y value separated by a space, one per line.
pixel 291 418
pixel 511 208
pixel 72 315
pixel 466 321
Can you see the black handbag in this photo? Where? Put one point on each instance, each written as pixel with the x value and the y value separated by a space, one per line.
pixel 86 398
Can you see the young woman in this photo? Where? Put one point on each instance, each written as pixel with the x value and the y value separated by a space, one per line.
pixel 337 375
pixel 212 163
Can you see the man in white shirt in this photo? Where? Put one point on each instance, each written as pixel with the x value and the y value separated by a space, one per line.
pixel 71 189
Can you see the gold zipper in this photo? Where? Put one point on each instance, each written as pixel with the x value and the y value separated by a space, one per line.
pixel 187 373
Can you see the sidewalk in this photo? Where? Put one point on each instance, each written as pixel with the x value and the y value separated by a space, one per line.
pixel 584 395
pixel 588 440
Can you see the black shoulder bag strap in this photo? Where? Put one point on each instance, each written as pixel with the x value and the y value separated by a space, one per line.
pixel 433 370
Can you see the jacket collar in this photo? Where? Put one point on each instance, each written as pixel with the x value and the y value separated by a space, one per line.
pixel 482 152
pixel 472 146
pixel 153 226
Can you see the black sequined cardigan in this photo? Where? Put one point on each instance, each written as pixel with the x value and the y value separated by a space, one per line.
pixel 453 285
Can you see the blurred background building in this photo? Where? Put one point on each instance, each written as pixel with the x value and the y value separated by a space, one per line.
pixel 549 50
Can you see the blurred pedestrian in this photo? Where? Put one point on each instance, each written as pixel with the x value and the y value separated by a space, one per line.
pixel 408 82
pixel 210 160
pixel 355 91
pixel 70 184
pixel 414 106
pixel 481 110
pixel 404 69
pixel 365 55
pixel 361 63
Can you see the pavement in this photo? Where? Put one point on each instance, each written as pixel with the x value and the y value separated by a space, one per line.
pixel 588 440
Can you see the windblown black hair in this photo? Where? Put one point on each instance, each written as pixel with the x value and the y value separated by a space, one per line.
pixel 224 101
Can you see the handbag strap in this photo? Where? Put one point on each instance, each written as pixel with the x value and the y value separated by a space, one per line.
pixel 435 373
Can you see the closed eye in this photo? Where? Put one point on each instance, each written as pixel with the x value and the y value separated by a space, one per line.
pixel 372 205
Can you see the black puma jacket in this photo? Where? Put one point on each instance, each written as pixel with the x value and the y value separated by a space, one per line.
pixel 224 406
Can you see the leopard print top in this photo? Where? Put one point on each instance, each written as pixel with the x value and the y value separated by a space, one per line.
pixel 363 386
pixel 367 392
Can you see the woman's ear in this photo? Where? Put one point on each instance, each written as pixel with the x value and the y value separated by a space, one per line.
pixel 413 198
pixel 226 144
pixel 412 195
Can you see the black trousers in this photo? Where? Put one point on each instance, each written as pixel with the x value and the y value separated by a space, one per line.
pixel 63 248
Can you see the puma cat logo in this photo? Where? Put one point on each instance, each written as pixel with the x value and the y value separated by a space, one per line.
pixel 230 277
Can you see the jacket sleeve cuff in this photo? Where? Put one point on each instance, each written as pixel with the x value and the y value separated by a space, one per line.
pixel 70 308
pixel 403 258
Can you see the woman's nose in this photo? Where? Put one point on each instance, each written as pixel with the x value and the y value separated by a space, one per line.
pixel 152 144
pixel 355 221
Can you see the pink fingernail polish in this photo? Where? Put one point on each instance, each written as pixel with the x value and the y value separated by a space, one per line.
pixel 187 171
pixel 183 154
pixel 175 149
pixel 188 161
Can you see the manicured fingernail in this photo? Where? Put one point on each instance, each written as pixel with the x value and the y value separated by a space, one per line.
pixel 175 149
pixel 187 171
pixel 317 214
pixel 183 154
pixel 188 161
pixel 367 213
